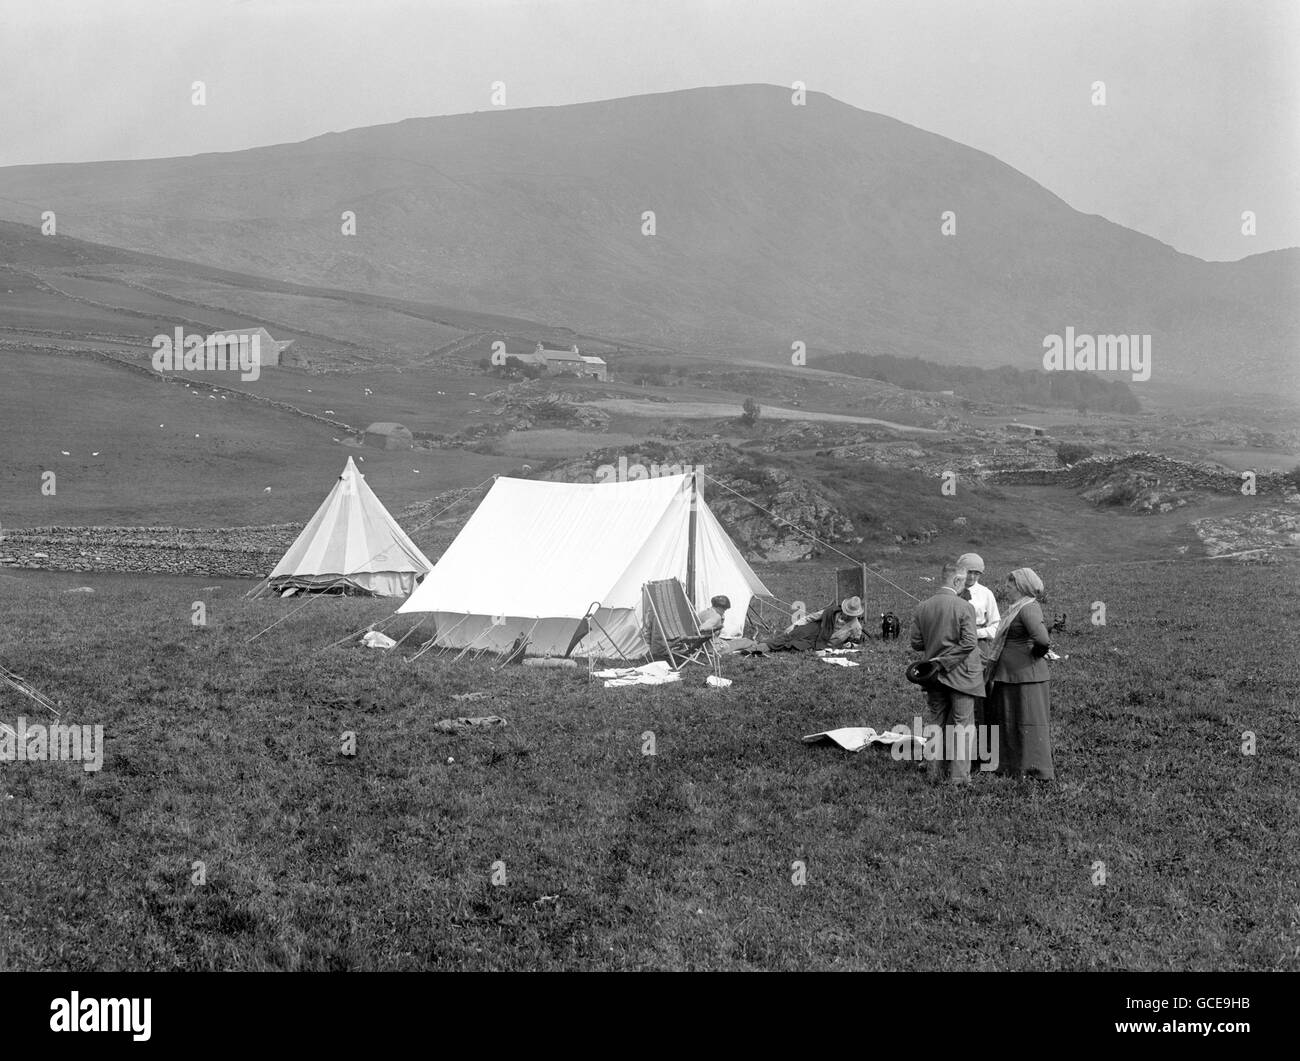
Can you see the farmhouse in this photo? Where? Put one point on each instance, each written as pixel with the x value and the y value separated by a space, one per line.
pixel 596 368
pixel 1025 429
pixel 388 436
pixel 569 361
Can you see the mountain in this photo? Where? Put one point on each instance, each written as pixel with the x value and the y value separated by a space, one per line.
pixel 774 223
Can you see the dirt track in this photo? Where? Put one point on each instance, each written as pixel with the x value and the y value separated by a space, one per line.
pixel 711 410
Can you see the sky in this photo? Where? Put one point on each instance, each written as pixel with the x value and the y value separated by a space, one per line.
pixel 1201 120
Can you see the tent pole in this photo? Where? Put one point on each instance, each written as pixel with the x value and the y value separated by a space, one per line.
pixel 690 542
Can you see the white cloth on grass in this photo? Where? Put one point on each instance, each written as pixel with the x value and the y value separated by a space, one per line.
pixel 656 673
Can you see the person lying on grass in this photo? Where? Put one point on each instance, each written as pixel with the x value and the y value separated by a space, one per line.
pixel 835 626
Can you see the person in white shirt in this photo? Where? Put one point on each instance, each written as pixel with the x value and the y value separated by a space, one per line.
pixel 711 620
pixel 987 616
pixel 982 600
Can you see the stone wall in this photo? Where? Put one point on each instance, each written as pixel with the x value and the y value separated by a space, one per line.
pixel 222 552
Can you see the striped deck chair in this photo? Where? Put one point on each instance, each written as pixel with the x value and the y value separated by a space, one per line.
pixel 672 629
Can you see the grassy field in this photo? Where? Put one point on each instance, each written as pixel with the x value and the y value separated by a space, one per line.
pixel 140 451
pixel 228 754
pixel 374 327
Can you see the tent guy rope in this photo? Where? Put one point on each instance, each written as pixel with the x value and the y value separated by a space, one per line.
pixel 21 685
pixel 810 537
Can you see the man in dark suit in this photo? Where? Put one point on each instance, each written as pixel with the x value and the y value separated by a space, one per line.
pixel 943 627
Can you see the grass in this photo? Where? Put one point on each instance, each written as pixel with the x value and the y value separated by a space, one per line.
pixel 151 469
pixel 229 754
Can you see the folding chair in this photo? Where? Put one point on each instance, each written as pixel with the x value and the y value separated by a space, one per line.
pixel 673 628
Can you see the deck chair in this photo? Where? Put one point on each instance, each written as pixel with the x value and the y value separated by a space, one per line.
pixel 672 627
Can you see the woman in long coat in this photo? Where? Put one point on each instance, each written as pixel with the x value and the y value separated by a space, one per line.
pixel 1020 701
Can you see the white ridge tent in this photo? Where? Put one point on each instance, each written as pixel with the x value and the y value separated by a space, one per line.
pixel 535 556
pixel 351 544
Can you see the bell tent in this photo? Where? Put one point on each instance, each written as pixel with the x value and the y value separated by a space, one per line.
pixel 351 545
pixel 536 558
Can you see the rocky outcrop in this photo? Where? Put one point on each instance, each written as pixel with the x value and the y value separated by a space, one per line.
pixel 1265 535
pixel 552 410
pixel 792 507
pixel 1145 482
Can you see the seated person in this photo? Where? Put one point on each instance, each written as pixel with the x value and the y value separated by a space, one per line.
pixel 711 620
pixel 835 626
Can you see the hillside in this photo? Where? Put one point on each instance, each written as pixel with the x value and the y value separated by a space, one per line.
pixel 774 223
pixel 77 292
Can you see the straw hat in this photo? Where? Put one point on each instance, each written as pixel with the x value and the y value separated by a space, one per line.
pixel 852 607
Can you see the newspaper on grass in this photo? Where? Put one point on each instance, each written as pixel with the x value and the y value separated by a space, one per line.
pixel 855 738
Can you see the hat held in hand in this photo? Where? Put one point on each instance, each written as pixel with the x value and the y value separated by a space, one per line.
pixel 924 672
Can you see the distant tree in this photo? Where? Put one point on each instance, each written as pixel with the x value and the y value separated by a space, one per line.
pixel 1071 453
pixel 751 410
pixel 1293 477
pixel 516 368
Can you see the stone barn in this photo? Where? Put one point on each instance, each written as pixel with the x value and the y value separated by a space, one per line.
pixel 271 351
pixel 388 436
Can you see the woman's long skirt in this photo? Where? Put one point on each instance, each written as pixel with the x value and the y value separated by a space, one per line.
pixel 1022 713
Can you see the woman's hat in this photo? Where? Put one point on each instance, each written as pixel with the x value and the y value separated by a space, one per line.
pixel 852 607
pixel 721 602
pixel 924 671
